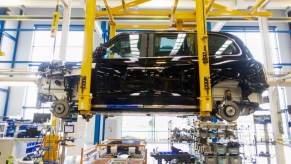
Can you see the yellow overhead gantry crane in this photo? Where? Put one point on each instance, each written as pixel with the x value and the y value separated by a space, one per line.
pixel 198 18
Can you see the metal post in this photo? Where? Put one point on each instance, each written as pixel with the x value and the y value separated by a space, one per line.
pixel 103 127
pixel 65 30
pixel 112 29
pixel 267 140
pixel 97 129
pixel 104 31
pixel 273 92
pixel 203 59
pixel 62 56
pixel 2 23
pixel 84 105
pixel 63 145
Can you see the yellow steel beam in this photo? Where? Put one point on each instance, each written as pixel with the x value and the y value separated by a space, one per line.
pixel 129 26
pixel 175 7
pixel 112 30
pixel 219 6
pixel 238 13
pixel 135 13
pixel 129 4
pixel 174 11
pixel 123 5
pixel 182 14
pixel 84 95
pixel 258 5
pixel 211 14
pixel 157 27
pixel 109 11
pixel 203 59
pixel 209 6
pixel 179 24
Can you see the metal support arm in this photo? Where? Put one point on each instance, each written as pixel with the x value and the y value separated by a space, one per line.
pixel 84 104
pixel 203 59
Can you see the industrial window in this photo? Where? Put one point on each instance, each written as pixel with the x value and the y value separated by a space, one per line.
pixel 45 48
pixel 251 37
pixel 151 128
pixel 124 46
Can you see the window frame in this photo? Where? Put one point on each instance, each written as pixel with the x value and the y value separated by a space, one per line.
pixel 165 34
pixel 234 42
pixel 127 35
pixel 195 37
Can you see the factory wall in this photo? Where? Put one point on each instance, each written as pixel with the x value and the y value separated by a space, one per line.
pixel 7 46
pixel 24 52
pixel 284 42
pixel 18 93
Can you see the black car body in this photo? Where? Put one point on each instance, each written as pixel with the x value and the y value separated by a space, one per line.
pixel 157 72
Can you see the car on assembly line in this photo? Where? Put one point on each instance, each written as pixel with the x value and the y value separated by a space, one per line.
pixel 157 72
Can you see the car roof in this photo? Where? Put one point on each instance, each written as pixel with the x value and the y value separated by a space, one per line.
pixel 176 32
pixel 235 38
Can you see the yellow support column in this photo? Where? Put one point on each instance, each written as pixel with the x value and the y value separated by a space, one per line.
pixel 179 24
pixel 112 29
pixel 203 59
pixel 2 53
pixel 84 104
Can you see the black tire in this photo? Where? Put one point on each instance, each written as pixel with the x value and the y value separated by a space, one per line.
pixel 229 111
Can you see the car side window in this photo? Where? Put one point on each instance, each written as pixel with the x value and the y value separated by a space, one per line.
pixel 125 46
pixel 172 45
pixel 222 45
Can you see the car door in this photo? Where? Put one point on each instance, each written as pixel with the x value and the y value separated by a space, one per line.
pixel 118 73
pixel 171 68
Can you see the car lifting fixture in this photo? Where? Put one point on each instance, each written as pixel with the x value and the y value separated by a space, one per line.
pixel 203 59
pixel 179 20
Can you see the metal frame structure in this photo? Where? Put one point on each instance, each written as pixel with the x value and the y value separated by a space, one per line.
pixel 197 18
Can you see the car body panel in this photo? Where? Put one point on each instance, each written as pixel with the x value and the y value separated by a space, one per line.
pixel 165 82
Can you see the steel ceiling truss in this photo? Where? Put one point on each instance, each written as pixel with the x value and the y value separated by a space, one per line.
pixel 213 9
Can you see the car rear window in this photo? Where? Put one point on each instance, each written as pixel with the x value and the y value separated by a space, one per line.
pixel 182 44
pixel 222 45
